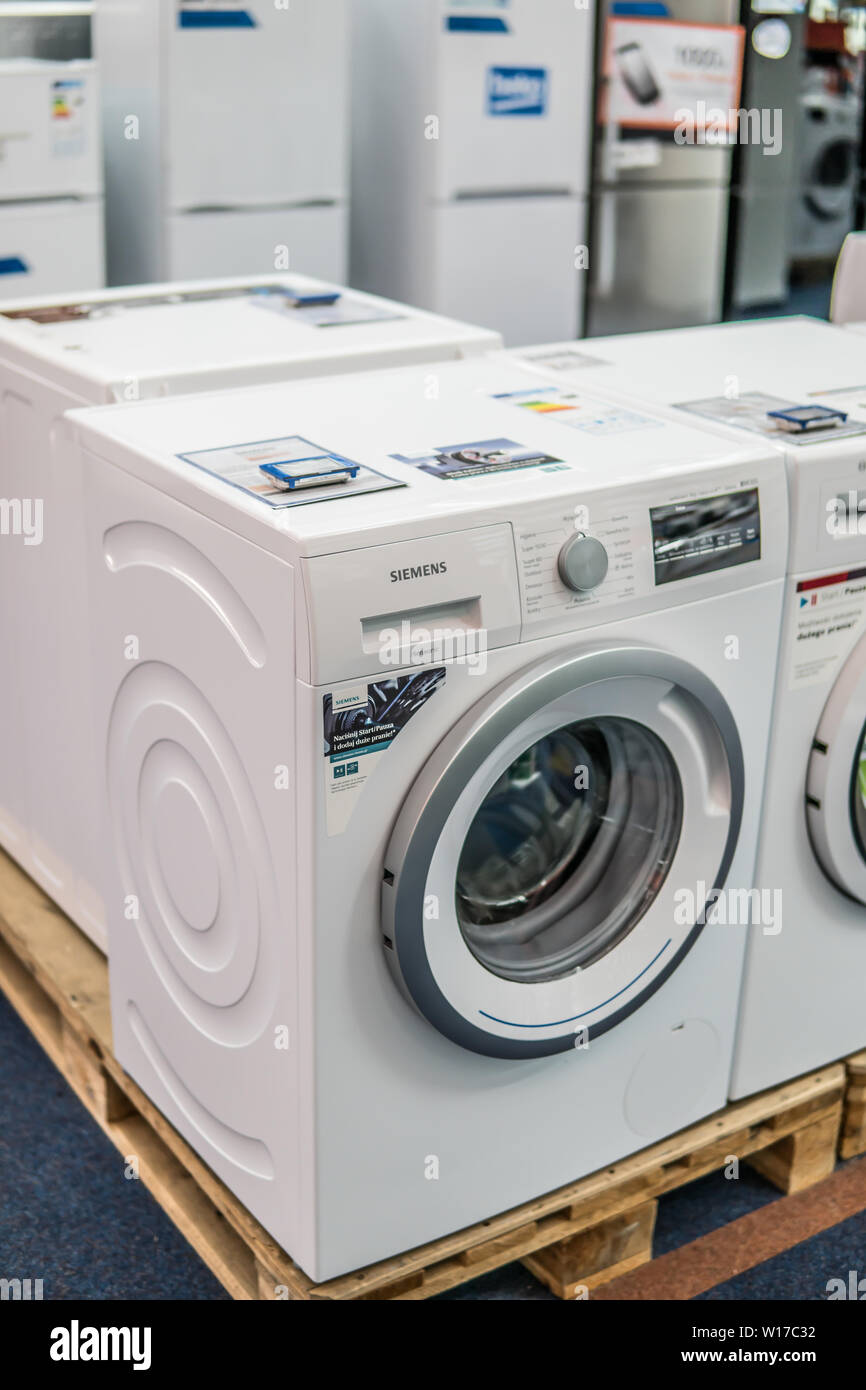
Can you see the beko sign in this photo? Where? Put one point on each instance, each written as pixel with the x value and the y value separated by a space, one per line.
pixel 418 572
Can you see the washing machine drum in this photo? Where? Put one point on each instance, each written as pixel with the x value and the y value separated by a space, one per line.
pixel 831 174
pixel 569 848
pixel 556 858
pixel 836 781
pixel 858 794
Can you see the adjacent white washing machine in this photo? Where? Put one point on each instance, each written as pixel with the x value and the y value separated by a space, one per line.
pixel 790 381
pixel 135 344
pixel 427 757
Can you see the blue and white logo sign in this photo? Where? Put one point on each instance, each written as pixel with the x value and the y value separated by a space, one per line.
pixel 517 91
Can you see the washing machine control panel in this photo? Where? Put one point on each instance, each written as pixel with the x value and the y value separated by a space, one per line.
pixel 573 556
pixel 623 549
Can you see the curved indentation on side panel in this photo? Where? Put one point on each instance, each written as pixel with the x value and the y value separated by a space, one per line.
pixel 193 855
pixel 246 1153
pixel 134 543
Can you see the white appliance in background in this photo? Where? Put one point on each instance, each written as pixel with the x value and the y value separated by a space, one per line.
pixel 51 208
pixel 226 137
pixel 803 993
pixel 418 789
pixel 660 206
pixel 830 130
pixel 471 129
pixel 848 302
pixel 163 340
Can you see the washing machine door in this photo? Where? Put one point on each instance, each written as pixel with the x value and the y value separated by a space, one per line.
pixel 836 780
pixel 562 850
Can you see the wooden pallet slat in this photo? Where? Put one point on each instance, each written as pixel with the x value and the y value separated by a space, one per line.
pixel 853 1140
pixel 573 1239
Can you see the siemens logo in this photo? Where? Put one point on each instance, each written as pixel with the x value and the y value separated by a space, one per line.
pixel 418 572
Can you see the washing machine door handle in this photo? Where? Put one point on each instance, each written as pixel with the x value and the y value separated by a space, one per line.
pixel 601 928
pixel 836 781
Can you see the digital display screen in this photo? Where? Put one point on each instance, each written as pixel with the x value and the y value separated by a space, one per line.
pixel 702 536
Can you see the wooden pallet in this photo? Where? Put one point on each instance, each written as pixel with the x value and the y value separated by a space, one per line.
pixel 853 1138
pixel 573 1239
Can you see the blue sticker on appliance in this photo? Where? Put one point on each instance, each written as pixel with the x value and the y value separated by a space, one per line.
pixel 213 15
pixel 475 24
pixel 517 91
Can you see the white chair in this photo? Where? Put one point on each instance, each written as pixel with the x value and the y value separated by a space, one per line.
pixel 848 300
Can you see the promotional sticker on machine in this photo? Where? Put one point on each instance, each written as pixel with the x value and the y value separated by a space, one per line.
pixel 478 458
pixel 289 472
pixel 68 107
pixel 669 75
pixel 359 726
pixel 579 412
pixel 564 360
pixel 829 615
pixel 762 414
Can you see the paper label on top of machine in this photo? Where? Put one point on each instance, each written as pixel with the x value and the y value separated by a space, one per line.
pixel 578 411
pixel 829 614
pixel 478 458
pixel 359 724
pixel 564 359
pixel 750 412
pixel 256 468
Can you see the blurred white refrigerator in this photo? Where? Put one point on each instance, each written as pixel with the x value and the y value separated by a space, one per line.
pixel 51 209
pixel 471 135
pixel 226 137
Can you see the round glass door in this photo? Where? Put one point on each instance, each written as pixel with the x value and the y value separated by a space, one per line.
pixel 568 849
pixel 836 781
pixel 558 855
pixel 858 794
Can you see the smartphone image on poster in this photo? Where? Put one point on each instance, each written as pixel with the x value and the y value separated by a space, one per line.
pixel 637 74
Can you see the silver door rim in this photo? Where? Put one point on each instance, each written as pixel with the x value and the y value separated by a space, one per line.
pixel 429 805
pixel 831 768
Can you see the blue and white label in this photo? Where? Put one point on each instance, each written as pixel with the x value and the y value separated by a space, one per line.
pixel 517 91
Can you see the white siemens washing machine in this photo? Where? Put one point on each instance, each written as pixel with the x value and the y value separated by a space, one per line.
pixel 803 992
pixel 425 768
pixel 121 346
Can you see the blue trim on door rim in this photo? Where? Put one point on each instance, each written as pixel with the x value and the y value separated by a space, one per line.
pixel 558 1022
